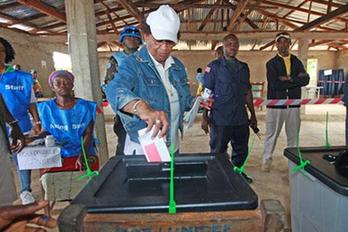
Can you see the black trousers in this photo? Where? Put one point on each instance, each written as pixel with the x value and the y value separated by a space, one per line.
pixel 121 135
pixel 238 136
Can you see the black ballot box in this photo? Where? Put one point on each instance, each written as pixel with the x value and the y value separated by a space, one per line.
pixel 203 183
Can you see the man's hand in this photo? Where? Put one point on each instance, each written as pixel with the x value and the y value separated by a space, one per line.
pixel 158 119
pixel 37 128
pixel 81 163
pixel 302 74
pixel 285 78
pixel 205 123
pixel 18 139
pixel 15 218
pixel 206 104
pixel 253 122
pixel 150 116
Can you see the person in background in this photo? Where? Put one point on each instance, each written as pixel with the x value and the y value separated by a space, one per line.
pixel 68 119
pixel 7 185
pixel 345 100
pixel 16 89
pixel 16 218
pixel 36 84
pixel 285 77
pixel 17 67
pixel 130 38
pixel 199 78
pixel 229 82
pixel 151 88
pixel 219 52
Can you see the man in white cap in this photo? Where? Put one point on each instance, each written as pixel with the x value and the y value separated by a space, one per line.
pixel 285 76
pixel 151 87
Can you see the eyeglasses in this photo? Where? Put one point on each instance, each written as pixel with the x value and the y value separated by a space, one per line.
pixel 168 43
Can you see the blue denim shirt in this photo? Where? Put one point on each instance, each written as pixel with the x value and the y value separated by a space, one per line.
pixel 229 86
pixel 138 78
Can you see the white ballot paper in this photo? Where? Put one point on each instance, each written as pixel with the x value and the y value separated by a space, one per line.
pixel 190 116
pixel 39 157
pixel 155 149
pixel 131 148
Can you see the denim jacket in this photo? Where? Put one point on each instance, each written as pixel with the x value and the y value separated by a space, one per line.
pixel 138 78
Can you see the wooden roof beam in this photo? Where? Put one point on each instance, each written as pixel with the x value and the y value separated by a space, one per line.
pixel 43 8
pixel 249 35
pixel 329 5
pixel 208 16
pixel 292 11
pixel 251 7
pixel 97 24
pixel 286 22
pixel 132 9
pixel 321 20
pixel 9 5
pixel 325 2
pixel 250 22
pixel 316 22
pixel 185 5
pixel 319 42
pixel 109 16
pixel 301 9
pixel 14 21
pixel 236 13
pixel 33 17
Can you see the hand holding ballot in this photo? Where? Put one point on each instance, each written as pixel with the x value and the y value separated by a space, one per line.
pixel 207 99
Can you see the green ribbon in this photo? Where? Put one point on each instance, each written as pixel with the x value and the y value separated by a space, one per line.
pixel 172 203
pixel 89 173
pixel 303 163
pixel 327 144
pixel 240 170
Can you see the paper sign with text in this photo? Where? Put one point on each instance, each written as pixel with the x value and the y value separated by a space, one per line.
pixel 39 157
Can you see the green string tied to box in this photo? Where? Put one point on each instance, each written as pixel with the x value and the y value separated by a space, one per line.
pixel 240 169
pixel 327 144
pixel 172 203
pixel 89 173
pixel 303 163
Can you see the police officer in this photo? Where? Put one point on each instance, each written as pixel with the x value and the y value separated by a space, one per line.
pixel 130 38
pixel 229 80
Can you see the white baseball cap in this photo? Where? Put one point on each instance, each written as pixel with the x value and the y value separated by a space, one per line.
pixel 164 23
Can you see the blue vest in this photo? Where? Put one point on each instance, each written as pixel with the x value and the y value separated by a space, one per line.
pixel 67 126
pixel 119 57
pixel 16 87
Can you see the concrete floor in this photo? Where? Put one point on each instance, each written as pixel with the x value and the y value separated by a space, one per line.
pixel 273 185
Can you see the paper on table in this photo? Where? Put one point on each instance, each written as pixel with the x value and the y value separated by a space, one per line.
pixel 155 149
pixel 39 157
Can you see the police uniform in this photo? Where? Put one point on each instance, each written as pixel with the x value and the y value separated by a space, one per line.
pixel 229 81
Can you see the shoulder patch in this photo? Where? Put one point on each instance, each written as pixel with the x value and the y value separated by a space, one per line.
pixel 207 69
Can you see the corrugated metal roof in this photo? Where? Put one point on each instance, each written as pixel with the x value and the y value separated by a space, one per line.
pixel 266 15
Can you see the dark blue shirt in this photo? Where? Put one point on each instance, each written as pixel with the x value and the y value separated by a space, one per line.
pixel 229 82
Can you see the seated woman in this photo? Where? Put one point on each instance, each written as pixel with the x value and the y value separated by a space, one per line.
pixel 68 119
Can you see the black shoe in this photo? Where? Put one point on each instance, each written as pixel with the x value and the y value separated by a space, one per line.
pixel 247 178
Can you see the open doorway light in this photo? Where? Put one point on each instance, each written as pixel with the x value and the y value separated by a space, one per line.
pixel 61 61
